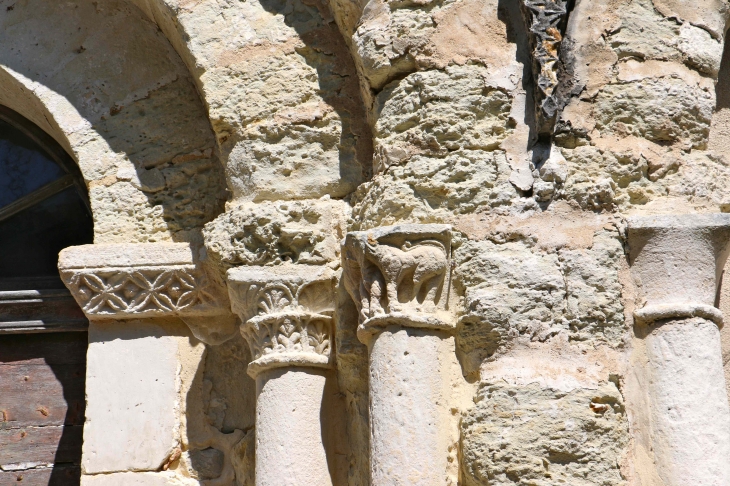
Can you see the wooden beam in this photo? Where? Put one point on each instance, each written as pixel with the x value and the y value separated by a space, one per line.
pixel 36 196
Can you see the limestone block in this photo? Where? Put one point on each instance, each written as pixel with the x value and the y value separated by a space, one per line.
pixel 129 479
pixel 431 189
pixel 514 290
pixel 437 112
pixel 540 435
pixel 661 110
pixel 131 397
pixel 283 95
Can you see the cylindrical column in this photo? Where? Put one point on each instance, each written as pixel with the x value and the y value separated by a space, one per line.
pixel 690 417
pixel 675 262
pixel 289 447
pixel 407 408
pixel 399 278
pixel 287 321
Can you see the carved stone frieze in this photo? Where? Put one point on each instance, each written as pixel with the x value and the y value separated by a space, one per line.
pixel 287 314
pixel 119 281
pixel 399 274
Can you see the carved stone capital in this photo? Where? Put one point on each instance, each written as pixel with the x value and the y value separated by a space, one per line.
pixel 287 313
pixel 122 281
pixel 677 262
pixel 399 275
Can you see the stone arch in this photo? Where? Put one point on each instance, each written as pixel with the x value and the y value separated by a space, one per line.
pixel 107 85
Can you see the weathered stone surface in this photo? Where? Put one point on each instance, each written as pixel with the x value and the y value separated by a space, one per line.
pixel 131 388
pixel 112 104
pixel 531 435
pixel 516 290
pixel 431 189
pixel 438 112
pixel 305 232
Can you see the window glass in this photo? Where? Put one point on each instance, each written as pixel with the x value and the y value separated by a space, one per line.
pixel 24 166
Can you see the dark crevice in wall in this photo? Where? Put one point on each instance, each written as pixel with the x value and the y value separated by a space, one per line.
pixel 546 22
pixel 722 88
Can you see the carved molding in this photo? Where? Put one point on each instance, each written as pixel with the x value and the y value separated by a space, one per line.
pixel 140 281
pixel 676 262
pixel 399 275
pixel 287 313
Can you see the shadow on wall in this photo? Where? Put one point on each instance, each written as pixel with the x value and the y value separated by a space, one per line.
pixel 326 51
pixel 220 416
pixel 127 108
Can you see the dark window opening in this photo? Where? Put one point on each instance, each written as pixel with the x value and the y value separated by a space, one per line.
pixel 44 208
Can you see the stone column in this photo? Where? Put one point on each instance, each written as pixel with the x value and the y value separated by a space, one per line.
pixel 676 262
pixel 136 297
pixel 399 278
pixel 287 314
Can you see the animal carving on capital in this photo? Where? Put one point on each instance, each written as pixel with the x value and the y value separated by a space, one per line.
pixel 397 269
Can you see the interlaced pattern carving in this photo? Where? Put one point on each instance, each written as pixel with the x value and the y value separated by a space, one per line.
pixel 143 291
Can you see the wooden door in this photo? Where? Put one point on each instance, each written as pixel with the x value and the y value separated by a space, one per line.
pixel 43 333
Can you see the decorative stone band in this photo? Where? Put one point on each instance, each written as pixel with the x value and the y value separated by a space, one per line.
pixel 651 313
pixel 375 324
pixel 287 314
pixel 120 281
pixel 399 275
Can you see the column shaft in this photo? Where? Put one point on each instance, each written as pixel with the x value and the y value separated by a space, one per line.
pixel 289 446
pixel 689 406
pixel 407 409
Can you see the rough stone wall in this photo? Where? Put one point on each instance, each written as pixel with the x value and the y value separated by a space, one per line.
pixel 312 119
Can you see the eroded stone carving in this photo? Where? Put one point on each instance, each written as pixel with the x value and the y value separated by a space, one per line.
pixel 287 314
pixel 302 232
pixel 399 273
pixel 140 280
pixel 546 21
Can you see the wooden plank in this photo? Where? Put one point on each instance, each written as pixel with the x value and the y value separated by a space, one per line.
pixel 43 310
pixel 62 348
pixel 41 445
pixel 57 476
pixel 41 395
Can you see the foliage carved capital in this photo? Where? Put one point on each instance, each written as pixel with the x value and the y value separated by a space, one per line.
pixel 287 313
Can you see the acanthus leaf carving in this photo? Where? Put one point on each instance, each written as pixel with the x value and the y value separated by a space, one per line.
pixel 283 322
